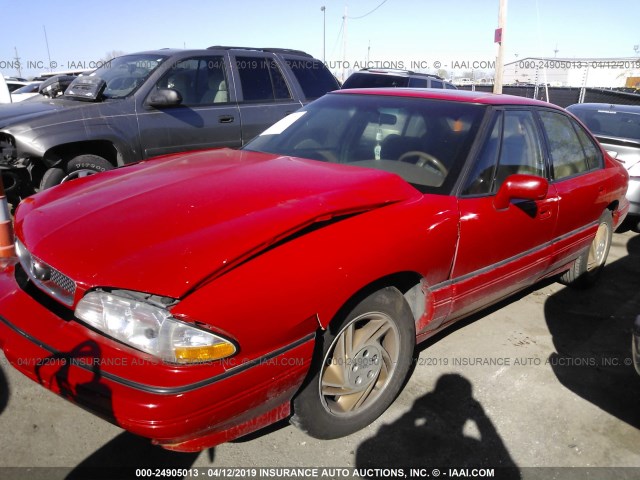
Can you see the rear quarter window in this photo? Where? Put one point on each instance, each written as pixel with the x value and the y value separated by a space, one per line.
pixel 314 78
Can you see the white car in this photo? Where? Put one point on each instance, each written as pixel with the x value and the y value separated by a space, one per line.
pixel 5 96
pixel 27 91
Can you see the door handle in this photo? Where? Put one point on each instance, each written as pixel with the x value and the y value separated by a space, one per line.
pixel 545 212
pixel 225 119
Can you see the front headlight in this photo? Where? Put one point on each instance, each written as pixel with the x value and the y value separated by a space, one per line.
pixel 151 328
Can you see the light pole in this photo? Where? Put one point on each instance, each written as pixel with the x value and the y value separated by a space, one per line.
pixel 499 39
pixel 324 31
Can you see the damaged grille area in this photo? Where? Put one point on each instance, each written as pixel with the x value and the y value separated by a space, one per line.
pixel 45 277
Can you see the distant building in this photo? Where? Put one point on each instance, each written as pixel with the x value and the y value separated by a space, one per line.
pixel 573 72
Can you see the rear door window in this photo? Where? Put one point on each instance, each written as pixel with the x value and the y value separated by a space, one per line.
pixel 261 80
pixel 568 156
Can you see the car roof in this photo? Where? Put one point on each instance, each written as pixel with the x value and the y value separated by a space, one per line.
pixel 396 72
pixel 605 106
pixel 451 95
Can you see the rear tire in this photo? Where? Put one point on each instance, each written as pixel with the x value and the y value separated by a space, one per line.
pixel 362 364
pixel 587 268
pixel 77 167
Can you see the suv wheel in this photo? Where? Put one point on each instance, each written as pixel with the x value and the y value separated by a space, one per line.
pixel 77 167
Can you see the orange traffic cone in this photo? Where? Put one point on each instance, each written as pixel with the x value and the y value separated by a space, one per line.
pixel 7 247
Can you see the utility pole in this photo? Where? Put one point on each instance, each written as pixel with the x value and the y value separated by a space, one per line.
pixel 47 42
pixel 17 59
pixel 499 39
pixel 324 33
pixel 344 45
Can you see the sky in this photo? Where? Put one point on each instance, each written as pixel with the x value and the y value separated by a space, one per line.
pixel 419 35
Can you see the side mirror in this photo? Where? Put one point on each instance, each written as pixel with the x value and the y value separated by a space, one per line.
pixel 526 187
pixel 164 97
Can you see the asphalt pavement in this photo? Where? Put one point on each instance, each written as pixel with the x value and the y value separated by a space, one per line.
pixel 541 380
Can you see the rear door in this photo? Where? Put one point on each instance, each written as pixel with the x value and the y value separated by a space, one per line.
pixel 207 117
pixel 579 177
pixel 500 251
pixel 264 95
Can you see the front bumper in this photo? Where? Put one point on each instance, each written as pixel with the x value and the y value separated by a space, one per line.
pixel 185 408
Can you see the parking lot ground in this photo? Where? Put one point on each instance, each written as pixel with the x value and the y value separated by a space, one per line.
pixel 541 380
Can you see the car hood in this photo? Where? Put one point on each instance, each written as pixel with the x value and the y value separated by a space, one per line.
pixel 164 226
pixel 19 112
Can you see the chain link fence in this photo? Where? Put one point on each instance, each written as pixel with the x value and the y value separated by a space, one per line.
pixel 564 96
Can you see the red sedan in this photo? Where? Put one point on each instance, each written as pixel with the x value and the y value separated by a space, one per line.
pixel 195 298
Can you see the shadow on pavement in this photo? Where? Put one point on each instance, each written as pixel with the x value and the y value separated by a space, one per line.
pixel 591 332
pixel 4 391
pixel 444 428
pixel 120 458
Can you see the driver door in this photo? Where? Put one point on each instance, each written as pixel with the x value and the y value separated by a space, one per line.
pixel 501 250
pixel 207 117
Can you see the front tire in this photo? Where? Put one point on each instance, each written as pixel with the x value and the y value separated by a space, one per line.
pixel 77 167
pixel 587 268
pixel 364 360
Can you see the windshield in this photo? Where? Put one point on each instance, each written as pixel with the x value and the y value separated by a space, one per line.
pixel 424 141
pixel 31 88
pixel 124 75
pixel 610 123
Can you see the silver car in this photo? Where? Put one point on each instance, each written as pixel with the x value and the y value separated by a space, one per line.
pixel 617 128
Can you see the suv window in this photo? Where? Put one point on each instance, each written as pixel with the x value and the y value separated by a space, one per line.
pixel 370 79
pixel 200 81
pixel 261 80
pixel 567 155
pixel 313 77
pixel 373 80
pixel 418 82
pixel 515 144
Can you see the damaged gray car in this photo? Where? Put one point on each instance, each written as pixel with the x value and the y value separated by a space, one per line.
pixel 147 104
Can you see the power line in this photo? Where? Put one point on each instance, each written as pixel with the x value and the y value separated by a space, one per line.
pixel 366 14
pixel 337 38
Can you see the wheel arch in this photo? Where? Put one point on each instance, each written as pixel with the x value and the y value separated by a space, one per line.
pixel 407 283
pixel 64 152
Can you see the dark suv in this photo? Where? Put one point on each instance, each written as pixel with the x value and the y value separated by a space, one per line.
pixel 152 103
pixel 378 78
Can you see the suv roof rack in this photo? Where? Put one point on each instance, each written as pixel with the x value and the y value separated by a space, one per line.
pixel 270 50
